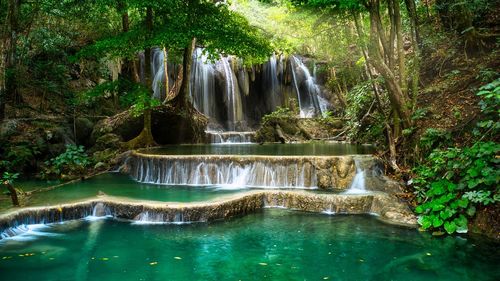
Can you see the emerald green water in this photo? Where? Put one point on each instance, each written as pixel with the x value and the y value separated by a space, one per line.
pixel 117 184
pixel 272 245
pixel 319 148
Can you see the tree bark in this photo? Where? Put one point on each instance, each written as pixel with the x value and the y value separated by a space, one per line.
pixel 415 40
pixel 339 93
pixel 364 50
pixel 147 52
pixel 145 138
pixel 395 93
pixel 13 193
pixel 399 45
pixel 127 67
pixel 11 87
pixel 165 69
pixel 182 99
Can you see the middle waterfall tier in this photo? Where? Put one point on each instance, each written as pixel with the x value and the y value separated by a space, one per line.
pixel 241 171
pixel 212 171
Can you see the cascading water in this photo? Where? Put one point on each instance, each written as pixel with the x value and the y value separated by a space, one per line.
pixel 273 85
pixel 226 173
pixel 203 85
pixel 310 102
pixel 158 71
pixel 234 98
pixel 358 183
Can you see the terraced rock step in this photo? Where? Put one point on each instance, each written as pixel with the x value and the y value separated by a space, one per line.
pixel 385 206
pixel 310 172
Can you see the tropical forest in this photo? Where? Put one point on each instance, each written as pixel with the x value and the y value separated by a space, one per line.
pixel 250 140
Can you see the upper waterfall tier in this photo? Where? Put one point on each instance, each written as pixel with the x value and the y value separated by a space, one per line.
pixel 235 97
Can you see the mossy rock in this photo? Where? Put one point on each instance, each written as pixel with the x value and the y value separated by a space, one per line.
pixel 83 127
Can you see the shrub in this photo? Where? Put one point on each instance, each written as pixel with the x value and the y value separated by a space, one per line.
pixel 454 181
pixel 70 163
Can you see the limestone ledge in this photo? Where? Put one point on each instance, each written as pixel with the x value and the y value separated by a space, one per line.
pixel 324 172
pixel 386 207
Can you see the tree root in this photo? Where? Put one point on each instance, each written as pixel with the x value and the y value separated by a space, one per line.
pixel 144 139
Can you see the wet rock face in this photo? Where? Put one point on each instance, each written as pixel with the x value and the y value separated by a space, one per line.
pixel 324 172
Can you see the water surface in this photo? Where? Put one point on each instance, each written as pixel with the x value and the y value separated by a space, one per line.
pixel 116 184
pixel 271 245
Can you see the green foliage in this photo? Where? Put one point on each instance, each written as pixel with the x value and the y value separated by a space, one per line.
pixel 8 177
pixel 328 119
pixel 18 157
pixel 359 102
pixel 453 182
pixel 279 113
pixel 487 74
pixel 72 162
pixel 420 113
pixel 433 138
pixel 490 106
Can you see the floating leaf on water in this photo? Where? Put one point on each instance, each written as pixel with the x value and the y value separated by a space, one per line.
pixel 361 260
pixel 178 258
pixel 329 253
pixel 104 259
pixel 429 254
pixel 326 277
pixel 21 255
pixel 51 258
pixel 92 258
pixel 262 263
pixel 153 263
pixel 115 257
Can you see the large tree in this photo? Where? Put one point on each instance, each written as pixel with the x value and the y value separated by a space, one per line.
pixel 179 25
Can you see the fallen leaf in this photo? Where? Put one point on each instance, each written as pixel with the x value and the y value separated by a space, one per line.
pixel 262 263
pixel 178 258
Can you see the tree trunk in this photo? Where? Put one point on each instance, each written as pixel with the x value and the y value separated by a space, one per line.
pixel 165 69
pixel 11 91
pixel 361 36
pixel 127 67
pixel 339 93
pixel 415 40
pixel 395 93
pixel 392 33
pixel 13 193
pixel 399 45
pixel 182 99
pixel 147 52
pixel 145 138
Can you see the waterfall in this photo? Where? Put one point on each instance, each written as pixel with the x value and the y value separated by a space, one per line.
pixel 310 102
pixel 358 183
pixel 203 85
pixel 273 93
pixel 234 99
pixel 232 96
pixel 230 137
pixel 227 173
